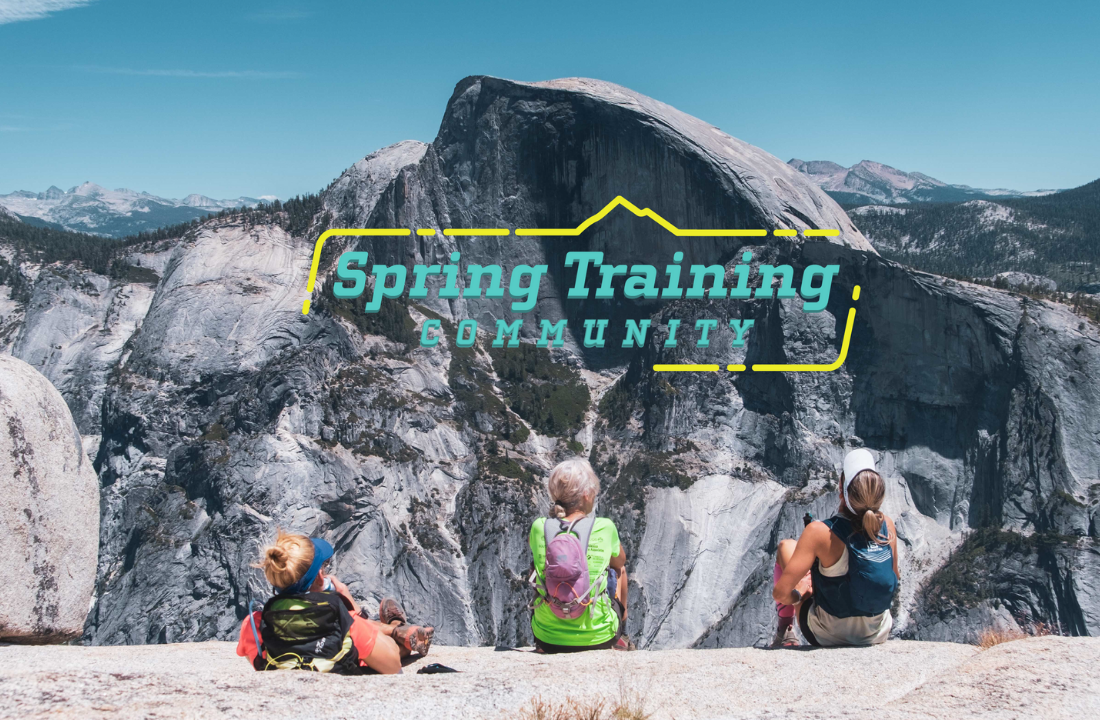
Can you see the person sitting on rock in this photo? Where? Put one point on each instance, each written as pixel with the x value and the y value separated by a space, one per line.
pixel 313 623
pixel 842 574
pixel 579 570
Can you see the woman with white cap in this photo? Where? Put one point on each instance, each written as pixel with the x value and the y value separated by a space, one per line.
pixel 841 575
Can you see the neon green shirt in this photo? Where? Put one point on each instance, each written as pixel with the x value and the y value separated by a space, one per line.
pixel 600 622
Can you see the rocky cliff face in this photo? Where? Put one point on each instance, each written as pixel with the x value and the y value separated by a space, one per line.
pixel 223 412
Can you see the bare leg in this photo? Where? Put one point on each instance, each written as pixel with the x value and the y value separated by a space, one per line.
pixel 385 657
pixel 394 624
pixel 784 635
pixel 387 630
pixel 782 556
pixel 784 552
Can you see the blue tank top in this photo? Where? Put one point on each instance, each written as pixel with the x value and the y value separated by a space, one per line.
pixel 868 588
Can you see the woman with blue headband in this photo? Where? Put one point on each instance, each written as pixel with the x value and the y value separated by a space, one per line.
pixel 313 623
pixel 841 575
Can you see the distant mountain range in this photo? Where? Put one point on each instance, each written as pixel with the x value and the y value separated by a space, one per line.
pixel 90 208
pixel 1053 237
pixel 872 182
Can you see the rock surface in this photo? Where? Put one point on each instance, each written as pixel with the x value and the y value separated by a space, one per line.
pixel 49 512
pixel 1042 678
pixel 223 413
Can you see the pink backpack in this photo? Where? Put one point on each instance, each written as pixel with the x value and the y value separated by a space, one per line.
pixel 564 585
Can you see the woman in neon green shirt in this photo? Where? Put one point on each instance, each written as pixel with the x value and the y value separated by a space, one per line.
pixel 573 489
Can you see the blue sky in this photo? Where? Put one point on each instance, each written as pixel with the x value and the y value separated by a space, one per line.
pixel 253 98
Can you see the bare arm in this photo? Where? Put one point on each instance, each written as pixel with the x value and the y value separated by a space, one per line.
pixel 345 595
pixel 618 562
pixel 814 538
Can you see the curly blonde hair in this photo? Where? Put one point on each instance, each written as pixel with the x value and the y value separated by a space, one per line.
pixel 286 560
pixel 570 482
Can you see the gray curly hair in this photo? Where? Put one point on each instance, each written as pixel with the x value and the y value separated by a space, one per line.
pixel 569 483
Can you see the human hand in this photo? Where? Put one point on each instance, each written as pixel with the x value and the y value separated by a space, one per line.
pixel 805 585
pixel 343 592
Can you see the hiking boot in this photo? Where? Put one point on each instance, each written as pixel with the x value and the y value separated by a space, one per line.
pixel 414 638
pixel 390 610
pixel 624 643
pixel 787 638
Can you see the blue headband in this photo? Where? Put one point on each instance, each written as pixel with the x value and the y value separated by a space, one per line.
pixel 322 551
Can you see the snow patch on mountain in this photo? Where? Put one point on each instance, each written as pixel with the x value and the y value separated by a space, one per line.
pixel 94 209
pixel 869 181
pixel 877 210
pixel 991 213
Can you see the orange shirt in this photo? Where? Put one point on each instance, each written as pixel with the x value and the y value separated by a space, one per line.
pixel 363 636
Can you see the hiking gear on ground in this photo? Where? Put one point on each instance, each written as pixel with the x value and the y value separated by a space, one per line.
pixel 856 462
pixel 414 638
pixel 867 588
pixel 599 623
pixel 390 610
pixel 322 551
pixel 564 583
pixel 308 631
pixel 434 669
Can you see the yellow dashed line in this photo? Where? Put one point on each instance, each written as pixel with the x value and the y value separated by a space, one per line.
pixel 477 231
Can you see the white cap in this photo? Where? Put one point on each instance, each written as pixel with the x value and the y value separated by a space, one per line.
pixel 856 462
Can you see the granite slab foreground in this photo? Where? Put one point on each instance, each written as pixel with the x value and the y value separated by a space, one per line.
pixel 1036 678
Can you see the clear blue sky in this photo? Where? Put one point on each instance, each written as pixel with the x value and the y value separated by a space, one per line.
pixel 231 98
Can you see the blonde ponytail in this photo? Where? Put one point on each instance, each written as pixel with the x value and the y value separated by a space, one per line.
pixel 287 560
pixel 872 524
pixel 558 511
pixel 865 495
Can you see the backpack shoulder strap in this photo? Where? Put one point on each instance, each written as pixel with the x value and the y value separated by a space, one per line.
pixel 551 529
pixel 840 526
pixel 582 528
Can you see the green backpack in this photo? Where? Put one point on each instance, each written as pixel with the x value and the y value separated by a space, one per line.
pixel 309 631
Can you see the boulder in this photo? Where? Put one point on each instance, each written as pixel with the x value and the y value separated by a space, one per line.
pixel 49 512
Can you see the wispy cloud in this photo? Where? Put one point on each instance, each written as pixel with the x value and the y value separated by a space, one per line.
pixel 11 128
pixel 230 74
pixel 16 10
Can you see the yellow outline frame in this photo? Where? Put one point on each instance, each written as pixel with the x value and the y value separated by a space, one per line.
pixel 619 201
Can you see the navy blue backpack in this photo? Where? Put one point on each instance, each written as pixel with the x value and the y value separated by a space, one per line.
pixel 868 588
